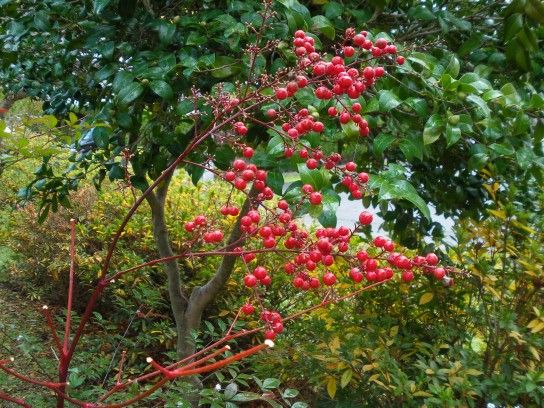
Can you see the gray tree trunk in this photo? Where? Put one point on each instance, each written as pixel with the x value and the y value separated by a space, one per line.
pixel 188 311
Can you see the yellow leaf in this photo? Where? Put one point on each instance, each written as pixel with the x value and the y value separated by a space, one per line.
pixel 394 331
pixel 374 377
pixel 413 388
pixel 346 378
pixel 472 371
pixel 426 298
pixel 368 367
pixel 334 344
pixel 498 213
pixel 331 387
pixel 534 352
pixel 533 323
pixel 223 313
pixel 422 394
pixel 429 371
pixel 538 327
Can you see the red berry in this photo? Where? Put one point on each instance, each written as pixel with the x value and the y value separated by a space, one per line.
pixel 363 177
pixel 407 276
pixel 359 39
pixel 345 117
pixel 270 334
pixel 439 273
pixel 329 279
pixel 381 43
pixel 380 241
pixel 356 275
pixel 300 34
pixel 315 198
pixel 239 165
pixel 248 308
pixel 400 60
pixel 250 281
pixel 365 218
pixel 259 272
pixel 349 51
pixel 288 152
pixel 312 164
pixel 432 259
pixel 293 133
pixel 281 93
pixel 240 184
pixel 271 113
pixel 332 111
pixel 278 327
pixel 248 152
pixel 350 166
pixel 266 281
pixel 302 81
pixel 318 127
pixel 368 72
pixel 356 107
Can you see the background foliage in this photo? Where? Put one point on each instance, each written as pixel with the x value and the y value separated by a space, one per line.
pixel 461 121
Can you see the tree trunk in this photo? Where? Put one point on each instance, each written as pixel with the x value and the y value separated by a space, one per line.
pixel 178 300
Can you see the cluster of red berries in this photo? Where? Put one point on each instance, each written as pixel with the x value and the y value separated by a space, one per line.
pixel 260 274
pixel 302 123
pixel 315 197
pixel 356 184
pixel 242 173
pixel 273 322
pixel 199 224
pixel 339 79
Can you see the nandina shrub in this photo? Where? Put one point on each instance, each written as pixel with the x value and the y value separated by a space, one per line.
pixel 265 223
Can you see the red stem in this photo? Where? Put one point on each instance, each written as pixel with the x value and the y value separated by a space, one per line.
pixel 17 401
pixel 70 285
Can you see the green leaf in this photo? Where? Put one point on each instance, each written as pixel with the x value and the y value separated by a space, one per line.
pixel 116 172
pixel 129 93
pixel 230 391
pixel 166 32
pixel 290 393
pixel 270 383
pixel 388 100
pixel 421 13
pixel 323 25
pixel 245 397
pixel 433 129
pixel 412 148
pixel 101 137
pixel 225 66
pixel 275 181
pixel 480 104
pixel 163 89
pixel 453 134
pixel 419 105
pixel 346 378
pixel 99 5
pixel 331 200
pixel 382 142
pixel 317 178
pixel 473 42
pixel 453 67
pixel 275 146
pixel 393 188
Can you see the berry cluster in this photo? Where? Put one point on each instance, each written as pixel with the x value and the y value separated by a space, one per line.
pixel 200 225
pixel 340 80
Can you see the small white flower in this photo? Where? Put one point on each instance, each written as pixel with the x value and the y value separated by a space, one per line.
pixel 217 387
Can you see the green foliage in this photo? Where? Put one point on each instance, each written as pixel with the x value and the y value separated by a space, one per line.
pixel 467 98
pixel 475 343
